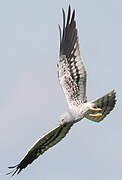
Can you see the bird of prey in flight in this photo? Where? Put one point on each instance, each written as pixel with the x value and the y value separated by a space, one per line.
pixel 72 78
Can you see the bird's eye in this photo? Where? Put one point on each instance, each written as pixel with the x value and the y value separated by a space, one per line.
pixel 62 121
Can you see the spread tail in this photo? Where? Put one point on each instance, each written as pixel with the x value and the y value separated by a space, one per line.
pixel 105 105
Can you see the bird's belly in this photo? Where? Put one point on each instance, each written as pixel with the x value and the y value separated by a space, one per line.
pixel 78 117
pixel 78 113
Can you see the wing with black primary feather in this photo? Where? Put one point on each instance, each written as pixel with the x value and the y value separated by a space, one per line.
pixel 43 144
pixel 71 70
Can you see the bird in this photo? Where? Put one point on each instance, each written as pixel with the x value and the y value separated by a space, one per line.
pixel 72 77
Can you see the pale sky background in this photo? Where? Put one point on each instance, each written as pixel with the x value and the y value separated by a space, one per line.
pixel 31 99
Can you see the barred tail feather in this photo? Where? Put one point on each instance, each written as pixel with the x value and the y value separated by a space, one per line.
pixel 106 103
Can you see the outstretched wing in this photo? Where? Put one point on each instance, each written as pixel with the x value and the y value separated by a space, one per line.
pixel 43 144
pixel 71 70
pixel 106 104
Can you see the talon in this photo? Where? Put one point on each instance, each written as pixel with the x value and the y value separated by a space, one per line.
pixel 96 115
pixel 96 109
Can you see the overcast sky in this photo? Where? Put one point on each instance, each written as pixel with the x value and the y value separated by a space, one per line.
pixel 31 99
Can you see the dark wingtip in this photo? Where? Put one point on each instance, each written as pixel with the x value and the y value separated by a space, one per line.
pixel 16 168
pixel 69 11
pixel 11 167
pixel 63 12
pixel 59 32
pixel 69 7
pixel 12 172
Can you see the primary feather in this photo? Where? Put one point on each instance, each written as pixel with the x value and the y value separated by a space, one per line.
pixel 43 144
pixel 71 69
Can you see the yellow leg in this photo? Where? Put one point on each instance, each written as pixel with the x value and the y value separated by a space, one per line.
pixel 96 115
pixel 96 109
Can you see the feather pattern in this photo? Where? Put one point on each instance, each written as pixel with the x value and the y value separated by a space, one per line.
pixel 72 77
pixel 71 70
pixel 106 103
pixel 43 144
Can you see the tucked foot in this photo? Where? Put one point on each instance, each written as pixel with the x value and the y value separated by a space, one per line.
pixel 95 109
pixel 96 115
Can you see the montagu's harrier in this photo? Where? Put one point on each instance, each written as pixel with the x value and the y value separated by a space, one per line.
pixel 72 78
